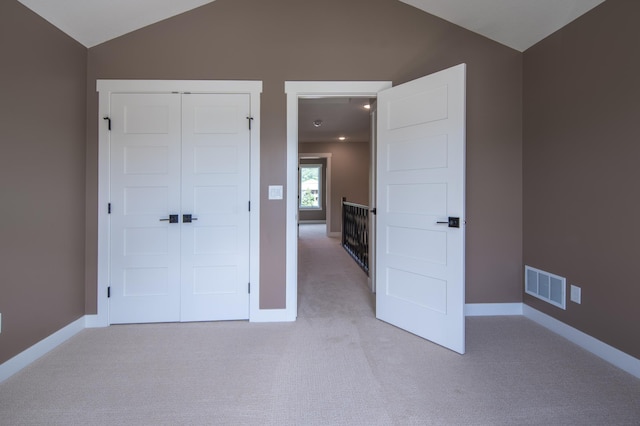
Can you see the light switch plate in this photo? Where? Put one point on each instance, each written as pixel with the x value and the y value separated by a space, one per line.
pixel 275 192
pixel 576 294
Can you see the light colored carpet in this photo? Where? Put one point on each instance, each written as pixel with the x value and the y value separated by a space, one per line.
pixel 336 365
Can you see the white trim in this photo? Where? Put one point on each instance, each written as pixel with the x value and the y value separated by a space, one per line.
pixel 314 155
pixel 272 315
pixel 492 309
pixel 93 321
pixel 105 88
pixel 295 90
pixel 254 221
pixel 312 222
pixel 168 86
pixel 26 357
pixel 608 353
pixel 104 106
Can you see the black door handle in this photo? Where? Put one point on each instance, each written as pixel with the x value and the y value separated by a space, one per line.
pixel 453 222
pixel 187 218
pixel 173 218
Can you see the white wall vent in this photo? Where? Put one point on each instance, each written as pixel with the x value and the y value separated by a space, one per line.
pixel 545 286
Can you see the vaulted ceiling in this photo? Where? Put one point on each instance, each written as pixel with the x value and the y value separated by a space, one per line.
pixel 518 24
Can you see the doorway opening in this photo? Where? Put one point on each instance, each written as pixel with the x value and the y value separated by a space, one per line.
pixel 320 92
pixel 334 149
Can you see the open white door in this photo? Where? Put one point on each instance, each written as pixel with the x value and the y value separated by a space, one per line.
pixel 420 197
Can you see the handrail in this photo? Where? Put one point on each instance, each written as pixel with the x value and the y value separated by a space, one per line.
pixel 362 206
pixel 355 232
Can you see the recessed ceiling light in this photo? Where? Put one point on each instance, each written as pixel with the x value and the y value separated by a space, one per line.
pixel 367 106
pixel 342 138
pixel 317 123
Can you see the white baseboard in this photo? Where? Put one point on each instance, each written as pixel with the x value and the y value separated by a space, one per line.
pixel 272 315
pixel 608 353
pixel 312 222
pixel 95 321
pixel 492 309
pixel 26 357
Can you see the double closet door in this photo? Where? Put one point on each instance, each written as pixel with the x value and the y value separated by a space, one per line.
pixel 179 200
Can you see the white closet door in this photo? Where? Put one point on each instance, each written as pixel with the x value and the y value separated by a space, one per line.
pixel 145 191
pixel 215 192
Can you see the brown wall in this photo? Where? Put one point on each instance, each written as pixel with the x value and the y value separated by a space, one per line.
pixel 42 173
pixel 282 40
pixel 581 173
pixel 580 144
pixel 580 130
pixel 349 174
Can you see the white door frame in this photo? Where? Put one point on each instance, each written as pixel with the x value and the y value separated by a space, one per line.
pixel 294 91
pixel 373 200
pixel 105 88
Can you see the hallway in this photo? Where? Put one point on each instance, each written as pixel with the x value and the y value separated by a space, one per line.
pixel 330 283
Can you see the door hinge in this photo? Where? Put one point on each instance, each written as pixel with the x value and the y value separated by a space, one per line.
pixel 109 208
pixel 109 122
pixel 108 292
pixel 249 205
pixel 249 288
pixel 250 120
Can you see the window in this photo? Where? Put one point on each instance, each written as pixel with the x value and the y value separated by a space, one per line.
pixel 310 184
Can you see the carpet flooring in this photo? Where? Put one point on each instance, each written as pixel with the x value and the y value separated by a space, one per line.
pixel 336 365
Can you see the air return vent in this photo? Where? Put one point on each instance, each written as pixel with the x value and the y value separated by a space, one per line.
pixel 545 286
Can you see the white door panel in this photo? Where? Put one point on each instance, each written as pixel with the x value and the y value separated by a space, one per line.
pixel 421 163
pixel 145 188
pixel 180 155
pixel 215 190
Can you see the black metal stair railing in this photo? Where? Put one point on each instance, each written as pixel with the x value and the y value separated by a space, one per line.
pixel 355 232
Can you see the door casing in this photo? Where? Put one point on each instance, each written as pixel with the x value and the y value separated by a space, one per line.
pixel 295 90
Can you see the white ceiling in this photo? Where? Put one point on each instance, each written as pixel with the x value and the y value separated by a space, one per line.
pixel 340 117
pixel 92 22
pixel 516 23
